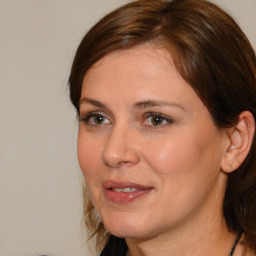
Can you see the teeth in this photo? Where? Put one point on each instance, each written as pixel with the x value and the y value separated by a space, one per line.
pixel 124 190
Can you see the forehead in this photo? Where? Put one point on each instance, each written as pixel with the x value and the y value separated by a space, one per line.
pixel 144 73
pixel 143 62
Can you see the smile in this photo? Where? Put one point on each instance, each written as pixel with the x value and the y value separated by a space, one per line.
pixel 124 192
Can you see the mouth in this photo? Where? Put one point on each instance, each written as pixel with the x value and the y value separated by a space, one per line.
pixel 124 192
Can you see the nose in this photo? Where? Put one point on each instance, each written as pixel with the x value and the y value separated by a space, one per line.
pixel 120 148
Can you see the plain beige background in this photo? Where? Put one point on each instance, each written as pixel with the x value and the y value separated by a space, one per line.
pixel 40 180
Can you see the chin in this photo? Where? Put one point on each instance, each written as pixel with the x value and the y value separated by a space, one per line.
pixel 127 225
pixel 129 232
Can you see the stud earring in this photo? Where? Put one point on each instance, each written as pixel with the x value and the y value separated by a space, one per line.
pixel 230 164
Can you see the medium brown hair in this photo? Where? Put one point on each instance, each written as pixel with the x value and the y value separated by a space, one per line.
pixel 212 54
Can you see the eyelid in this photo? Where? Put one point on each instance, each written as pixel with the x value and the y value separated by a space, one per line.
pixel 85 117
pixel 147 115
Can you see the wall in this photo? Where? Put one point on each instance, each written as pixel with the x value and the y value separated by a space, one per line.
pixel 40 181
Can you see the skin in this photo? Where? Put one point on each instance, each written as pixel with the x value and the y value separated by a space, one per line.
pixel 180 158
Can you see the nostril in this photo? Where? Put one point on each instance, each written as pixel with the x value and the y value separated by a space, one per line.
pixel 119 151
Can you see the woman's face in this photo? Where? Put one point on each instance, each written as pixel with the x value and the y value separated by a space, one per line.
pixel 147 146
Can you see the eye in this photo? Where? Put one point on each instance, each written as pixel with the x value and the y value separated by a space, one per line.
pixel 94 119
pixel 156 119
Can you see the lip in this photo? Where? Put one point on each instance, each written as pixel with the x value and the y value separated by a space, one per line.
pixel 124 197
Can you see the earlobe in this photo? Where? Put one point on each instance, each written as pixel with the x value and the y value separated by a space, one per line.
pixel 240 141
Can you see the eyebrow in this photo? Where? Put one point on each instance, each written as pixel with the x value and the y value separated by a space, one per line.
pixel 140 104
pixel 156 103
pixel 92 102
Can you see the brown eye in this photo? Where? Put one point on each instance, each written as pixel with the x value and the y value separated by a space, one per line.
pixel 98 119
pixel 156 119
pixel 94 119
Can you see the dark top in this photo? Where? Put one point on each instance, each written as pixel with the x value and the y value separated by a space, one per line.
pixel 115 247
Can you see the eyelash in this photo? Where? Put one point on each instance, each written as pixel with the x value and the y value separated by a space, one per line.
pixel 160 116
pixel 87 119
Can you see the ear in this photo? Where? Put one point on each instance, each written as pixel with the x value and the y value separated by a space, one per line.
pixel 240 138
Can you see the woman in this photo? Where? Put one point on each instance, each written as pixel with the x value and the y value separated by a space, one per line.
pixel 165 92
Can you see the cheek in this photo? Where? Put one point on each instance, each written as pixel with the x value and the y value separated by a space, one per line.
pixel 89 154
pixel 184 168
pixel 168 156
pixel 184 155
